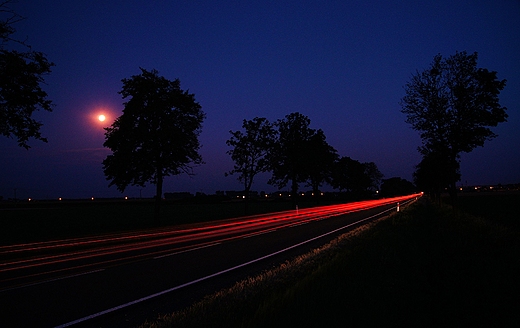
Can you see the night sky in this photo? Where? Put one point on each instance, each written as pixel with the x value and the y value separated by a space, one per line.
pixel 341 63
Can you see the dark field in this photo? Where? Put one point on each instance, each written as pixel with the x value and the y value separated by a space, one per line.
pixel 48 220
pixel 501 207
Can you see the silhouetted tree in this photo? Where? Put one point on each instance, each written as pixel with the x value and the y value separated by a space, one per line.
pixel 452 104
pixel 250 150
pixel 435 172
pixel 374 176
pixel 319 161
pixel 340 174
pixel 396 187
pixel 21 75
pixel 288 155
pixel 156 136
pixel 358 179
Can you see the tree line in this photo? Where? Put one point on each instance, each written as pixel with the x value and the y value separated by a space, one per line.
pixel 452 104
pixel 157 135
pixel 295 153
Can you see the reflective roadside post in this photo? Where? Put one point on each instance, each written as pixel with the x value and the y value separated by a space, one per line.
pixel 397 207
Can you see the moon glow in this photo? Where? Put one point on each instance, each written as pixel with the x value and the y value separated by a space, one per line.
pixel 101 118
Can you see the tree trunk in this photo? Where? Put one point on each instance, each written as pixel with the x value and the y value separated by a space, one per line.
pixel 158 196
pixel 452 190
pixel 294 191
pixel 246 204
pixel 316 192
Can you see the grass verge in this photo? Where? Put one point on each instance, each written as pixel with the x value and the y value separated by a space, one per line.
pixel 424 266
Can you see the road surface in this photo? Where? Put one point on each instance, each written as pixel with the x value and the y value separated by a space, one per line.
pixel 120 280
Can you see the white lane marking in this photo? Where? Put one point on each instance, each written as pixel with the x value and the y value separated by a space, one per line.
pixel 119 307
pixel 51 280
pixel 94 271
pixel 184 251
pixel 258 234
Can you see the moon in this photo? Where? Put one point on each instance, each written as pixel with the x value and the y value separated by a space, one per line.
pixel 102 118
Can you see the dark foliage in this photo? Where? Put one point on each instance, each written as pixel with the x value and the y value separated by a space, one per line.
pixel 452 104
pixel 288 155
pixel 396 187
pixel 157 134
pixel 320 161
pixel 251 149
pixel 356 178
pixel 301 154
pixel 21 76
pixel 435 172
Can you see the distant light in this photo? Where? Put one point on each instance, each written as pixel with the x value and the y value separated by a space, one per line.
pixel 102 118
pixel 29 199
pixel 92 198
pixel 59 198
pixel 243 197
pixel 126 197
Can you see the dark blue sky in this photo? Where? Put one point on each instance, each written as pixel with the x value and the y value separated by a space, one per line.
pixel 341 63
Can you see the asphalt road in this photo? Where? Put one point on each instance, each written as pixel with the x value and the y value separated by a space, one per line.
pixel 125 293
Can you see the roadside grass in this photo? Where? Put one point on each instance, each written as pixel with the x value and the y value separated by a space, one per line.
pixel 425 266
pixel 502 207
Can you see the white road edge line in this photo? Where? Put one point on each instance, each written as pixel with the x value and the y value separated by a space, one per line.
pixel 119 307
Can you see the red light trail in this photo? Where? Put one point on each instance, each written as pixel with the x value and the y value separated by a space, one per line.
pixel 37 261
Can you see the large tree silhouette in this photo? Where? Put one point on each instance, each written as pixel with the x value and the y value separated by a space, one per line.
pixel 250 150
pixel 289 154
pixel 22 72
pixel 374 176
pixel 453 104
pixel 156 136
pixel 319 161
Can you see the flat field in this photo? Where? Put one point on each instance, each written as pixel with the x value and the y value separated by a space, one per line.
pixel 500 207
pixel 36 221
